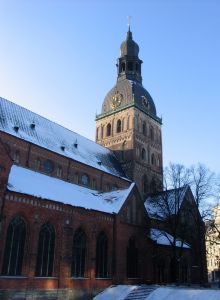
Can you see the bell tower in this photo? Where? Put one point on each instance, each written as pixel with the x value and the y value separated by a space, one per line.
pixel 129 125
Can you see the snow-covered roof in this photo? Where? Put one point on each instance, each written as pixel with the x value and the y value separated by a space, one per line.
pixel 26 125
pixel 166 203
pixel 29 182
pixel 161 237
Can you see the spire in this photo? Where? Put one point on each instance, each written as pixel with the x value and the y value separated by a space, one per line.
pixel 129 64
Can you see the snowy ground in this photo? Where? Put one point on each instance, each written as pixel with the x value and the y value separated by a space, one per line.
pixel 161 293
pixel 184 294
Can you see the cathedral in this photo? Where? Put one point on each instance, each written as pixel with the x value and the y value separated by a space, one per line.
pixel 76 215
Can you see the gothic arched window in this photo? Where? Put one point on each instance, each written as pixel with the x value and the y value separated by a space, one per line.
pixel 143 154
pixel 79 254
pixel 108 129
pixel 130 66
pixel 123 67
pixel 153 159
pixel 144 184
pixel 152 133
pixel 132 259
pixel 118 129
pixel 45 254
pixel 102 256
pixel 144 131
pixel 14 248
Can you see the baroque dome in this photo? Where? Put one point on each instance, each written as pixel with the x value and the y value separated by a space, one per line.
pixel 130 93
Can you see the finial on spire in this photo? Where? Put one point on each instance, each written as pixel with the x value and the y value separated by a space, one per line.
pixel 129 23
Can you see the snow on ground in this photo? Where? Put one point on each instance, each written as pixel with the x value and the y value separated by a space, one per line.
pixel 118 292
pixel 183 294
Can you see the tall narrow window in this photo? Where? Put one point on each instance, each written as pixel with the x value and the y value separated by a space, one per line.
pixel 59 171
pixel 153 159
pixel 108 130
pixel 79 254
pixel 45 254
pixel 101 256
pixel 152 133
pixel 132 259
pixel 123 147
pixel 144 131
pixel 14 248
pixel 144 184
pixel 118 129
pixel 16 157
pixel 143 154
pixel 37 164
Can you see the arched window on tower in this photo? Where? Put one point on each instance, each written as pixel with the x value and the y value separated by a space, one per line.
pixel 97 133
pixel 143 154
pixel 37 164
pixel 102 256
pixel 122 67
pixel 153 159
pixel 144 129
pixel 130 66
pixel 123 147
pixel 132 259
pixel 14 248
pixel 137 67
pixel 152 133
pixel 153 185
pixel 45 253
pixel 144 184
pixel 118 129
pixel 108 129
pixel 79 254
pixel 128 122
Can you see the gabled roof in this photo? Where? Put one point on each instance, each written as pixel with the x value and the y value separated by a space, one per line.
pixel 166 203
pixel 161 237
pixel 26 181
pixel 24 124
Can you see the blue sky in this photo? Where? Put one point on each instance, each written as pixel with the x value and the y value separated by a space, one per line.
pixel 58 58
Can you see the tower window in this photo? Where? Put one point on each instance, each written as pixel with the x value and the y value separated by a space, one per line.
pixel 14 248
pixel 118 126
pixel 144 131
pixel 108 129
pixel 152 133
pixel 97 133
pixel 123 67
pixel 144 184
pixel 152 159
pixel 130 66
pixel 137 67
pixel 143 154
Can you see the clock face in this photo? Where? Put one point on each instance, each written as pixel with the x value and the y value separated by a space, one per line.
pixel 116 100
pixel 145 102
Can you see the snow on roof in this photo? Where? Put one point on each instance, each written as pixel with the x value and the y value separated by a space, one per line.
pixel 26 125
pixel 161 237
pixel 165 204
pixel 28 182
